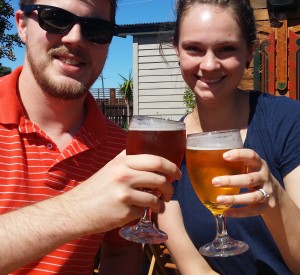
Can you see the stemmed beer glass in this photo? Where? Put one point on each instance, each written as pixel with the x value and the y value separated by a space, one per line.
pixel 204 158
pixel 165 138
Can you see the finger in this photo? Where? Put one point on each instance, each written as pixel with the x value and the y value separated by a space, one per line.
pixel 153 181
pixel 247 211
pixel 250 180
pixel 244 198
pixel 146 162
pixel 251 159
pixel 144 199
pixel 123 153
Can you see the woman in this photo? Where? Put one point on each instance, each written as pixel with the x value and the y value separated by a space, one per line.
pixel 214 41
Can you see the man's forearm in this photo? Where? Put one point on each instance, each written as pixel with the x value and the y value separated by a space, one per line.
pixel 31 232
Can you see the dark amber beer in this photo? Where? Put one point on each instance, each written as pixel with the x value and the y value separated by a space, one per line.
pixel 155 136
pixel 169 144
pixel 203 166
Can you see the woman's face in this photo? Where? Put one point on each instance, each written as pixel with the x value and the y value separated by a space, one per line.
pixel 212 52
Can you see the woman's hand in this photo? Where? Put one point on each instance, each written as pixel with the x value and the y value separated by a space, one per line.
pixel 258 180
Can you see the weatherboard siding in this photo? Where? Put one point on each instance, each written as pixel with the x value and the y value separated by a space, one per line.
pixel 158 85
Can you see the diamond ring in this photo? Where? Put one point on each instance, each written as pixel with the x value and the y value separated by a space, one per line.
pixel 265 194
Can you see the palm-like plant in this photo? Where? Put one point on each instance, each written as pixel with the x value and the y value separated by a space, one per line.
pixel 126 90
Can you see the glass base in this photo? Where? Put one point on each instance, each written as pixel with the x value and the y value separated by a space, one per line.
pixel 145 233
pixel 223 247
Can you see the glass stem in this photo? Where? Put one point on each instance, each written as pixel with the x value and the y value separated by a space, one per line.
pixel 147 215
pixel 221 226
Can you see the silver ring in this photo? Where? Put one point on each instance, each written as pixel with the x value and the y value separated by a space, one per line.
pixel 264 193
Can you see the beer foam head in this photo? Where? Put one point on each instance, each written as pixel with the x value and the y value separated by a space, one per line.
pixel 217 140
pixel 146 123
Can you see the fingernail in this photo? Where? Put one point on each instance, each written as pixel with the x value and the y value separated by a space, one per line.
pixel 221 199
pixel 216 181
pixel 226 155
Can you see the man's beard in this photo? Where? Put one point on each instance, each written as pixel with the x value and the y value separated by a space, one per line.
pixel 66 90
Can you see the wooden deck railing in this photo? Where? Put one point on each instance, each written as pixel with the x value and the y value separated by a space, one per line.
pixel 112 105
pixel 117 113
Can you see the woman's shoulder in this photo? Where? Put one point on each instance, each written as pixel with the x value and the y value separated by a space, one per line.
pixel 272 98
pixel 273 103
pixel 273 113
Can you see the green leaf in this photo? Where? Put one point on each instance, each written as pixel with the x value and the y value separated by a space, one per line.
pixel 7 40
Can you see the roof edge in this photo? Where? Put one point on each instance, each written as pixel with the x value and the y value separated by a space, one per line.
pixel 145 28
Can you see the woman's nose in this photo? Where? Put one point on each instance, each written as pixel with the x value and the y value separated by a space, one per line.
pixel 209 61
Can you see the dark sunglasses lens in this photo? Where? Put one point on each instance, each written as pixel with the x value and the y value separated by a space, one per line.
pixel 55 20
pixel 59 21
pixel 98 31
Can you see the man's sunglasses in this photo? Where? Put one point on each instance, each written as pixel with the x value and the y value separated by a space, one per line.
pixel 59 21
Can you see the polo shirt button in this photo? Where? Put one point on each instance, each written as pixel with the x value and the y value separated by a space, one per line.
pixel 49 146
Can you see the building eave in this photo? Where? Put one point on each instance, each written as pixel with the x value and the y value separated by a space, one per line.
pixel 144 29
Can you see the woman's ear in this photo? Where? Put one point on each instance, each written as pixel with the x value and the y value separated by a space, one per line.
pixel 21 25
pixel 175 46
pixel 177 53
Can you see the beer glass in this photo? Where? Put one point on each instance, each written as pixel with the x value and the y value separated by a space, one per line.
pixel 204 158
pixel 165 138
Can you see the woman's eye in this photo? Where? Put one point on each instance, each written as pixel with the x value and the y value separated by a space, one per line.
pixel 191 48
pixel 227 49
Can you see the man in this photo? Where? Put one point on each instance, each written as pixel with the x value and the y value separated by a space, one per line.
pixel 64 180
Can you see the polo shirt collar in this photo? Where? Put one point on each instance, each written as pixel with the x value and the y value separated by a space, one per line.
pixel 95 121
pixel 10 106
pixel 11 111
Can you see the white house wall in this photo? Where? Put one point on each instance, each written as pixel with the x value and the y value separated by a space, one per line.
pixel 158 86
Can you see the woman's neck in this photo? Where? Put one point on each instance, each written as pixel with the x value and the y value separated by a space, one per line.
pixel 232 114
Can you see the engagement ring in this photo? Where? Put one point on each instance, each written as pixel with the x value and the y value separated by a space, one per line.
pixel 265 194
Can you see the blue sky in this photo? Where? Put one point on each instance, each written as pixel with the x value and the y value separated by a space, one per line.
pixel 119 61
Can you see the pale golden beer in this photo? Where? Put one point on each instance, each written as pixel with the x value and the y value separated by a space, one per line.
pixel 204 160
pixel 203 165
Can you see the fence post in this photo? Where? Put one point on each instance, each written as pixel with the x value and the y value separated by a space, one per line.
pixel 112 95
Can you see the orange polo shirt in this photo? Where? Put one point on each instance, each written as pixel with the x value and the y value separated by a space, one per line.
pixel 33 169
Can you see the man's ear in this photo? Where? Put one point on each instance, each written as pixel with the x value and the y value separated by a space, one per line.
pixel 21 25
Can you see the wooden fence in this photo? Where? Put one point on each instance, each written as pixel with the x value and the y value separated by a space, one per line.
pixel 112 105
pixel 116 113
